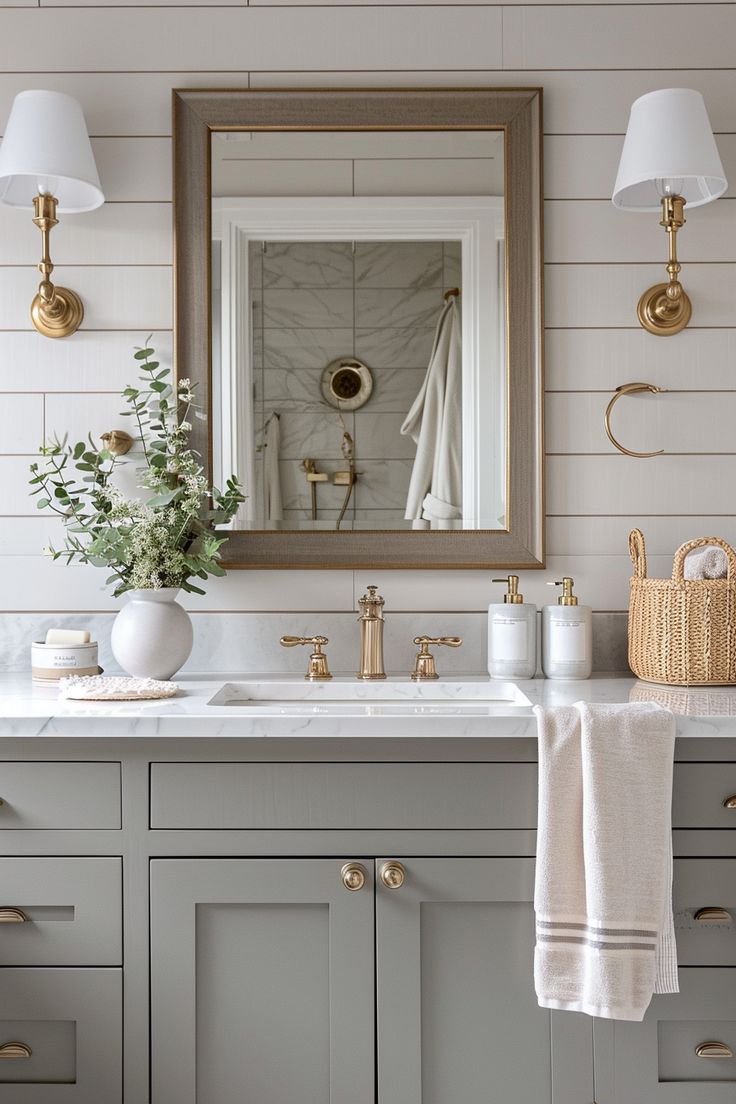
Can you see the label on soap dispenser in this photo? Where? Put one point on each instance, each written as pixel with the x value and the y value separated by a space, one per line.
pixel 509 639
pixel 570 639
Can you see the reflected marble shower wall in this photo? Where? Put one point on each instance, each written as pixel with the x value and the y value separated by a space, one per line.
pixel 313 302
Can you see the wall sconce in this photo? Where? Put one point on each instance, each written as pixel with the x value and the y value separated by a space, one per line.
pixel 669 158
pixel 46 161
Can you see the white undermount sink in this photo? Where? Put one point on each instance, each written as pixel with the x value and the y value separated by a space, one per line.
pixel 350 696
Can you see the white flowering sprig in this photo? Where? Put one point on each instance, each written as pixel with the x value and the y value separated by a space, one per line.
pixel 166 539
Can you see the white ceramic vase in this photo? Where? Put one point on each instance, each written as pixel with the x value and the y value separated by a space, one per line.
pixel 152 635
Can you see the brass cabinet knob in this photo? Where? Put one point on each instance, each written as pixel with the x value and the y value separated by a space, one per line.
pixel 712 914
pixel 713 1050
pixel 353 876
pixel 730 802
pixel 15 1050
pixel 12 916
pixel 392 874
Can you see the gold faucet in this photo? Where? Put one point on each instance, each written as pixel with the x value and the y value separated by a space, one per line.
pixel 371 635
pixel 317 670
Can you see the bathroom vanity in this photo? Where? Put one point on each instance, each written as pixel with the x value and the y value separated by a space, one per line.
pixel 329 898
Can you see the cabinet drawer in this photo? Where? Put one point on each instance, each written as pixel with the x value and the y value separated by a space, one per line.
pixel 71 1022
pixel 700 790
pixel 702 887
pixel 343 795
pixel 656 1062
pixel 59 795
pixel 72 910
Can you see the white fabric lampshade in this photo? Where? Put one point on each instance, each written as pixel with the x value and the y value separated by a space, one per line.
pixel 46 150
pixel 669 146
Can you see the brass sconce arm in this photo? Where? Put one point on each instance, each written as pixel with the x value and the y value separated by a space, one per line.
pixel 55 311
pixel 665 309
pixel 629 389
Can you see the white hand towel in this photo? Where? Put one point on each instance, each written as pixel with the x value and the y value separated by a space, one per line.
pixel 710 562
pixel 603 895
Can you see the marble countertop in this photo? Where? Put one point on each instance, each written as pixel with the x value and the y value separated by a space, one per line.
pixel 28 709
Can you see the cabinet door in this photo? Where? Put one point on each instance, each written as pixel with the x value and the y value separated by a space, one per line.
pixel 262 982
pixel 458 1018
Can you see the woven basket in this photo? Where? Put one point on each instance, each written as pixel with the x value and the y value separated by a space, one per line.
pixel 682 632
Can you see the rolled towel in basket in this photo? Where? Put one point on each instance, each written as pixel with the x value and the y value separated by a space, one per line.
pixel 707 563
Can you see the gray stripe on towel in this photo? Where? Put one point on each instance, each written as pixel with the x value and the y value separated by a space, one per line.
pixel 597 944
pixel 597 931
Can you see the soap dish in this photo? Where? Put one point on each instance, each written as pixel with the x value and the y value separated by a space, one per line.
pixel 111 688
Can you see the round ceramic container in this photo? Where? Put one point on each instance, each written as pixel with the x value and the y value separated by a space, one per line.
pixel 51 662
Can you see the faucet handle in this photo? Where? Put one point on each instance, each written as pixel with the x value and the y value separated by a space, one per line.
pixel 424 664
pixel 318 669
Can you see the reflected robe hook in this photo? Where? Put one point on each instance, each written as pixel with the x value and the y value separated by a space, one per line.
pixel 629 389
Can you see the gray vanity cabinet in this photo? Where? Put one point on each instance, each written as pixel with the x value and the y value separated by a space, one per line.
pixel 262 982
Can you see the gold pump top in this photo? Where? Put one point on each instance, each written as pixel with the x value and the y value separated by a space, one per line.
pixel 512 595
pixel 371 605
pixel 567 598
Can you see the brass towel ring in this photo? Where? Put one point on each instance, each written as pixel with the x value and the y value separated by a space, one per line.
pixel 629 389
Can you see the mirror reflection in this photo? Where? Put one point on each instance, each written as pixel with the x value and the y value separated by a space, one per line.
pixel 358 328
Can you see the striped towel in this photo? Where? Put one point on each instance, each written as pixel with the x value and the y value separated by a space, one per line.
pixel 603 894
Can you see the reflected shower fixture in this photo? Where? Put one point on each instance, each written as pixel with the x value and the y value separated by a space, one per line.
pixel 669 159
pixel 347 383
pixel 46 160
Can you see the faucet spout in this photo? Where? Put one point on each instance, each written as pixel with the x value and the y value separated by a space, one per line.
pixel 371 635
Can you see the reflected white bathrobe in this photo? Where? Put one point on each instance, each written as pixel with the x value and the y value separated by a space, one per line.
pixel 434 423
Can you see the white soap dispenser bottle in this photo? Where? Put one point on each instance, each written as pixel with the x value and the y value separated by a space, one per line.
pixel 567 636
pixel 512 634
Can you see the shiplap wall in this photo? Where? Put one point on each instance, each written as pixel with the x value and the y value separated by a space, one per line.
pixel 592 60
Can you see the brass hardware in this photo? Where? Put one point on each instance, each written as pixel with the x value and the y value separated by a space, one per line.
pixel 353 876
pixel 629 389
pixel 346 478
pixel 371 635
pixel 318 670
pixel 730 802
pixel 512 595
pixel 713 915
pixel 451 293
pixel 665 309
pixel 567 598
pixel 392 874
pixel 15 1050
pixel 55 311
pixel 117 441
pixel 314 477
pixel 12 916
pixel 713 1050
pixel 424 664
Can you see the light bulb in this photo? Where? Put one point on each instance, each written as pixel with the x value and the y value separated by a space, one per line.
pixel 669 186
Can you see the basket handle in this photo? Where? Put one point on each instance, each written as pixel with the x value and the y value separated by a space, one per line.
pixel 678 566
pixel 638 553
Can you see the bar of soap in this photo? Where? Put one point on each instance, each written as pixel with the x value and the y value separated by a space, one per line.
pixel 67 636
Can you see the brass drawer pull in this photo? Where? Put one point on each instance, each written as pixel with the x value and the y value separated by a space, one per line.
pixel 12 916
pixel 393 874
pixel 353 876
pixel 713 915
pixel 15 1050
pixel 713 1050
pixel 730 802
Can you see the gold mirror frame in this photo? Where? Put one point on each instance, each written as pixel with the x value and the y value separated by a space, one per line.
pixel 518 112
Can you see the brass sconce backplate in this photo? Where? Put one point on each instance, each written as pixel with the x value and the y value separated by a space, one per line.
pixel 662 315
pixel 59 317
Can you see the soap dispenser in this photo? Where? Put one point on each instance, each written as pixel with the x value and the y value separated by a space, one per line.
pixel 512 634
pixel 567 636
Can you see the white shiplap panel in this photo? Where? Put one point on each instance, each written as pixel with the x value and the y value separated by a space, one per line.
pixel 583 231
pixel 282 178
pixel 136 169
pixel 130 298
pixel 15 497
pixel 85 415
pixel 22 423
pixel 584 166
pixel 21 536
pixel 605 296
pixel 578 536
pixel 619 36
pixel 592 360
pixel 606 485
pixel 244 38
pixel 82 362
pixel 460 176
pixel 678 422
pixel 576 102
pixel 116 233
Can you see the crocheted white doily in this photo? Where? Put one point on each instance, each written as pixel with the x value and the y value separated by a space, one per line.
pixel 110 688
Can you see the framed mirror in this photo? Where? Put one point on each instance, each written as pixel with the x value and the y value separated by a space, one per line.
pixel 359 303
